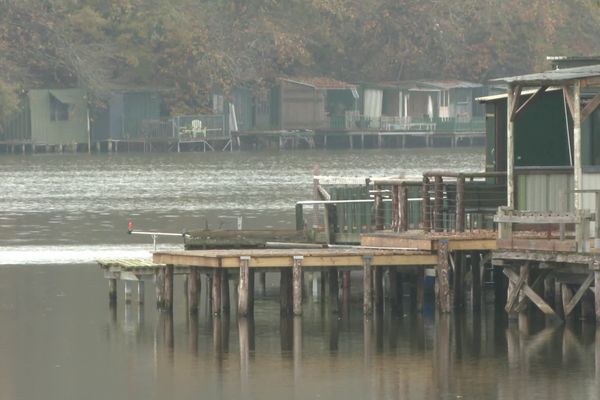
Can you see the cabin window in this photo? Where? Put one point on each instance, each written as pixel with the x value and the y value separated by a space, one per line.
pixel 59 111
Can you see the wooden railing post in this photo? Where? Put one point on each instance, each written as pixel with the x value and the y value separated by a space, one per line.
pixel 403 208
pixel 425 217
pixel 460 204
pixel 378 208
pixel 437 203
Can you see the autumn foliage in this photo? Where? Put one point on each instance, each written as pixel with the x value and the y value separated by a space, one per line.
pixel 187 48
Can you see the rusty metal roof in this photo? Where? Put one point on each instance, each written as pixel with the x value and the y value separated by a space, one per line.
pixel 552 77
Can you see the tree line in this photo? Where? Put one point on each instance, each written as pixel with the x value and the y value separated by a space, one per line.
pixel 188 48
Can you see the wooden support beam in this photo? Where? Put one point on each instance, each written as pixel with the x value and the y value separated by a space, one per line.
pixel 579 294
pixel 192 291
pixel 159 284
pixel 515 104
pixel 476 286
pixel 514 292
pixel 140 290
pixel 460 204
pixel 438 203
pixel 393 289
pixel 420 289
pixel 367 285
pixel 112 291
pixel 225 298
pixel 590 107
pixel 378 289
pixel 333 289
pixel 443 278
pixel 568 96
pixel 169 288
pixel 297 284
pixel 597 298
pixel 527 291
pixel 537 283
pixel 529 100
pixel 285 291
pixel 216 291
pixel 243 292
pixel 425 206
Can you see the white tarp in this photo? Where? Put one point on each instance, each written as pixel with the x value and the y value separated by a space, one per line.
pixel 373 102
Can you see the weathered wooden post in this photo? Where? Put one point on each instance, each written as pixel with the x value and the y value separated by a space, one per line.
pixel 367 285
pixel 393 282
pixel 169 288
pixel 127 291
pixel 442 275
pixel 378 289
pixel 192 291
pixel 597 295
pixel 112 291
pixel 333 289
pixel 425 207
pixel 475 281
pixel 403 207
pixel 159 285
pixel 460 203
pixel 140 291
pixel 297 284
pixel 243 286
pixel 285 291
pixel 420 289
pixel 379 212
pixel 225 298
pixel 216 291
pixel 438 203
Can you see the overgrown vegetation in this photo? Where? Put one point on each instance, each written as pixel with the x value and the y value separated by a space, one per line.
pixel 186 48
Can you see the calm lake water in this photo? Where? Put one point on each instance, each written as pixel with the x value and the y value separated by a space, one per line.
pixel 60 340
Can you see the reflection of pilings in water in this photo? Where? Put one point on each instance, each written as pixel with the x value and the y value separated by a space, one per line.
pixel 286 333
pixel 194 325
pixel 378 332
pixel 442 355
pixel 244 333
pixel 297 351
pixel 169 334
pixel 334 333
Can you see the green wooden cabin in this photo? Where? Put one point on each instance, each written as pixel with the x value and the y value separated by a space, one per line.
pixel 555 138
pixel 57 116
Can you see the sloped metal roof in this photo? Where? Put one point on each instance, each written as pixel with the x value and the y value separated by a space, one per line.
pixel 321 83
pixel 552 77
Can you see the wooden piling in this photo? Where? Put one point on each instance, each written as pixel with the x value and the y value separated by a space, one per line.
pixel 420 289
pixel 263 283
pixel 192 291
pixel 225 298
pixel 169 288
pixel 216 292
pixel 251 275
pixel 112 291
pixel 140 291
pixel 333 289
pixel 393 288
pixel 159 284
pixel 442 276
pixel 460 204
pixel 475 281
pixel 597 296
pixel 526 278
pixel 285 291
pixel 297 284
pixel 127 291
pixel 566 295
pixel 346 292
pixel 243 292
pixel 378 289
pixel 367 285
pixel 425 207
pixel 438 223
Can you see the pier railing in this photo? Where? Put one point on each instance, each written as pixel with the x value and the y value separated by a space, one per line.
pixel 353 121
pixel 438 202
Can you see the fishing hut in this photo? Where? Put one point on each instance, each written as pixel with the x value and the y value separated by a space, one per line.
pixel 548 232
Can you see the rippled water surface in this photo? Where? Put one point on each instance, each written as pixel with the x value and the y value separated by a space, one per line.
pixel 60 340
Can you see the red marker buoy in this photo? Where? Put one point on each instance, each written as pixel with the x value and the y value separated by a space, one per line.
pixel 129 227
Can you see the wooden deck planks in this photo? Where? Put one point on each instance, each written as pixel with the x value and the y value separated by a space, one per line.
pixel 277 258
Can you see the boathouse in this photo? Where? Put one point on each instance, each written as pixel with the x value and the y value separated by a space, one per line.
pixel 50 117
